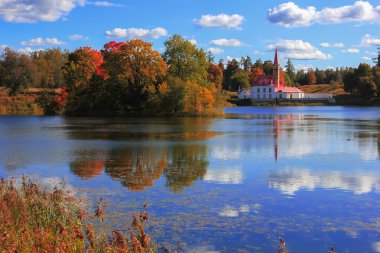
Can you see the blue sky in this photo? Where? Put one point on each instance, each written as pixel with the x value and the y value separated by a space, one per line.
pixel 312 33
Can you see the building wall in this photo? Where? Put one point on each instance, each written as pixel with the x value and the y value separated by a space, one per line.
pixel 244 95
pixel 263 92
pixel 318 96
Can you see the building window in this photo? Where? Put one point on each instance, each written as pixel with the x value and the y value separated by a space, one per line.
pixel 258 96
pixel 270 89
pixel 264 96
pixel 270 95
pixel 258 90
pixel 280 96
pixel 264 90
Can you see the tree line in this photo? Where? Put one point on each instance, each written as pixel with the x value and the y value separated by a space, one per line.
pixel 131 78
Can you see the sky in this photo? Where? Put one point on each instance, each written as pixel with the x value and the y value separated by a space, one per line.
pixel 312 33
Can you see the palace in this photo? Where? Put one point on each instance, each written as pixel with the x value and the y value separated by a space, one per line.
pixel 273 87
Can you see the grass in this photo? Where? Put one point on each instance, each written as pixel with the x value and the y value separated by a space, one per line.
pixel 37 220
pixel 21 104
pixel 335 89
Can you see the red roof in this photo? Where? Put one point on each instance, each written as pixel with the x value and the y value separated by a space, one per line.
pixel 288 89
pixel 263 81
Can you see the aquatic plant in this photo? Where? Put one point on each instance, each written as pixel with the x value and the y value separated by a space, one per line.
pixel 34 219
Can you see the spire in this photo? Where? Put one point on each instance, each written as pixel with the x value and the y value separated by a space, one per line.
pixel 276 58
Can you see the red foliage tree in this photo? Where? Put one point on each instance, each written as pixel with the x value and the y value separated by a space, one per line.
pixel 215 75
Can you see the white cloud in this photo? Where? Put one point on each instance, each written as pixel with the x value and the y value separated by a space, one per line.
pixel 137 33
pixel 220 21
pixel 3 46
pixel 103 4
pixel 78 37
pixel 257 52
pixel 338 44
pixel 215 50
pixel 226 42
pixel 42 42
pixel 29 50
pixel 298 50
pixel 369 40
pixel 30 11
pixel 224 176
pixel 351 51
pixel 290 181
pixel 193 41
pixel 366 58
pixel 304 67
pixel 291 15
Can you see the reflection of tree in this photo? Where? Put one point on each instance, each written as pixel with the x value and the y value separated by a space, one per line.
pixel 87 169
pixel 189 163
pixel 136 168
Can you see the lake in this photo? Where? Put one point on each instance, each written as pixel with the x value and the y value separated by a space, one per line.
pixel 230 184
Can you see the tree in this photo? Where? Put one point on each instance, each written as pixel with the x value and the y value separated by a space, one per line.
pixel 246 64
pixel 321 76
pixel 221 64
pixel 311 78
pixel 290 72
pixel 377 59
pixel 185 60
pixel 136 70
pixel 231 69
pixel 256 73
pixel 367 87
pixel 240 80
pixel 349 81
pixel 81 65
pixel 268 67
pixel 215 75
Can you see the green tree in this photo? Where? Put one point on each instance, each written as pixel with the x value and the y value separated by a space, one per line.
pixel 185 60
pixel 268 67
pixel 290 73
pixel 231 69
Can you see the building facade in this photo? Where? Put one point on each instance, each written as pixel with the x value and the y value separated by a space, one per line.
pixel 273 87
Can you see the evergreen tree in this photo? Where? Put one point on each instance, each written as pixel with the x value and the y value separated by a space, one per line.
pixel 291 74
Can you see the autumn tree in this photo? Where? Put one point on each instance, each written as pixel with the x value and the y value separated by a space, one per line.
pixel 255 73
pixel 185 60
pixel 135 70
pixel 311 78
pixel 80 67
pixel 215 75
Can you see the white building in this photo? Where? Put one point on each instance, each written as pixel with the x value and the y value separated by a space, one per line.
pixel 273 87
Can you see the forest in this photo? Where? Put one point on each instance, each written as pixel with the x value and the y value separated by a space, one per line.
pixel 131 78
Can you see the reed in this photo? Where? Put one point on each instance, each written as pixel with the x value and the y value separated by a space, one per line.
pixel 37 220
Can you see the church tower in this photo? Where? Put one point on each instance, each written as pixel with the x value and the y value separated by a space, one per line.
pixel 276 71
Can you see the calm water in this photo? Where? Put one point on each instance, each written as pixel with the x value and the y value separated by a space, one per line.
pixel 309 174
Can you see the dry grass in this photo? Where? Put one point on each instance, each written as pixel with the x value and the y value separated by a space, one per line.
pixel 335 89
pixel 37 220
pixel 19 104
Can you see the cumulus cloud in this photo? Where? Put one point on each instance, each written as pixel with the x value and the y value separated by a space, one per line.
pixel 30 11
pixel 289 181
pixel 369 40
pixel 137 33
pixel 351 51
pixel 299 50
pixel 215 50
pixel 291 15
pixel 326 44
pixel 104 4
pixel 366 58
pixel 42 42
pixel 226 42
pixel 78 37
pixel 220 21
pixel 193 41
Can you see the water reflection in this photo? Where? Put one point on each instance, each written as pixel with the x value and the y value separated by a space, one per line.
pixel 289 181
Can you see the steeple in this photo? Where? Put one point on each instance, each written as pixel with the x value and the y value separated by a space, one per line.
pixel 276 58
pixel 276 71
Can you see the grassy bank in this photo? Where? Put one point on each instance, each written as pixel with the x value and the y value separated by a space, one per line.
pixel 21 104
pixel 36 220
